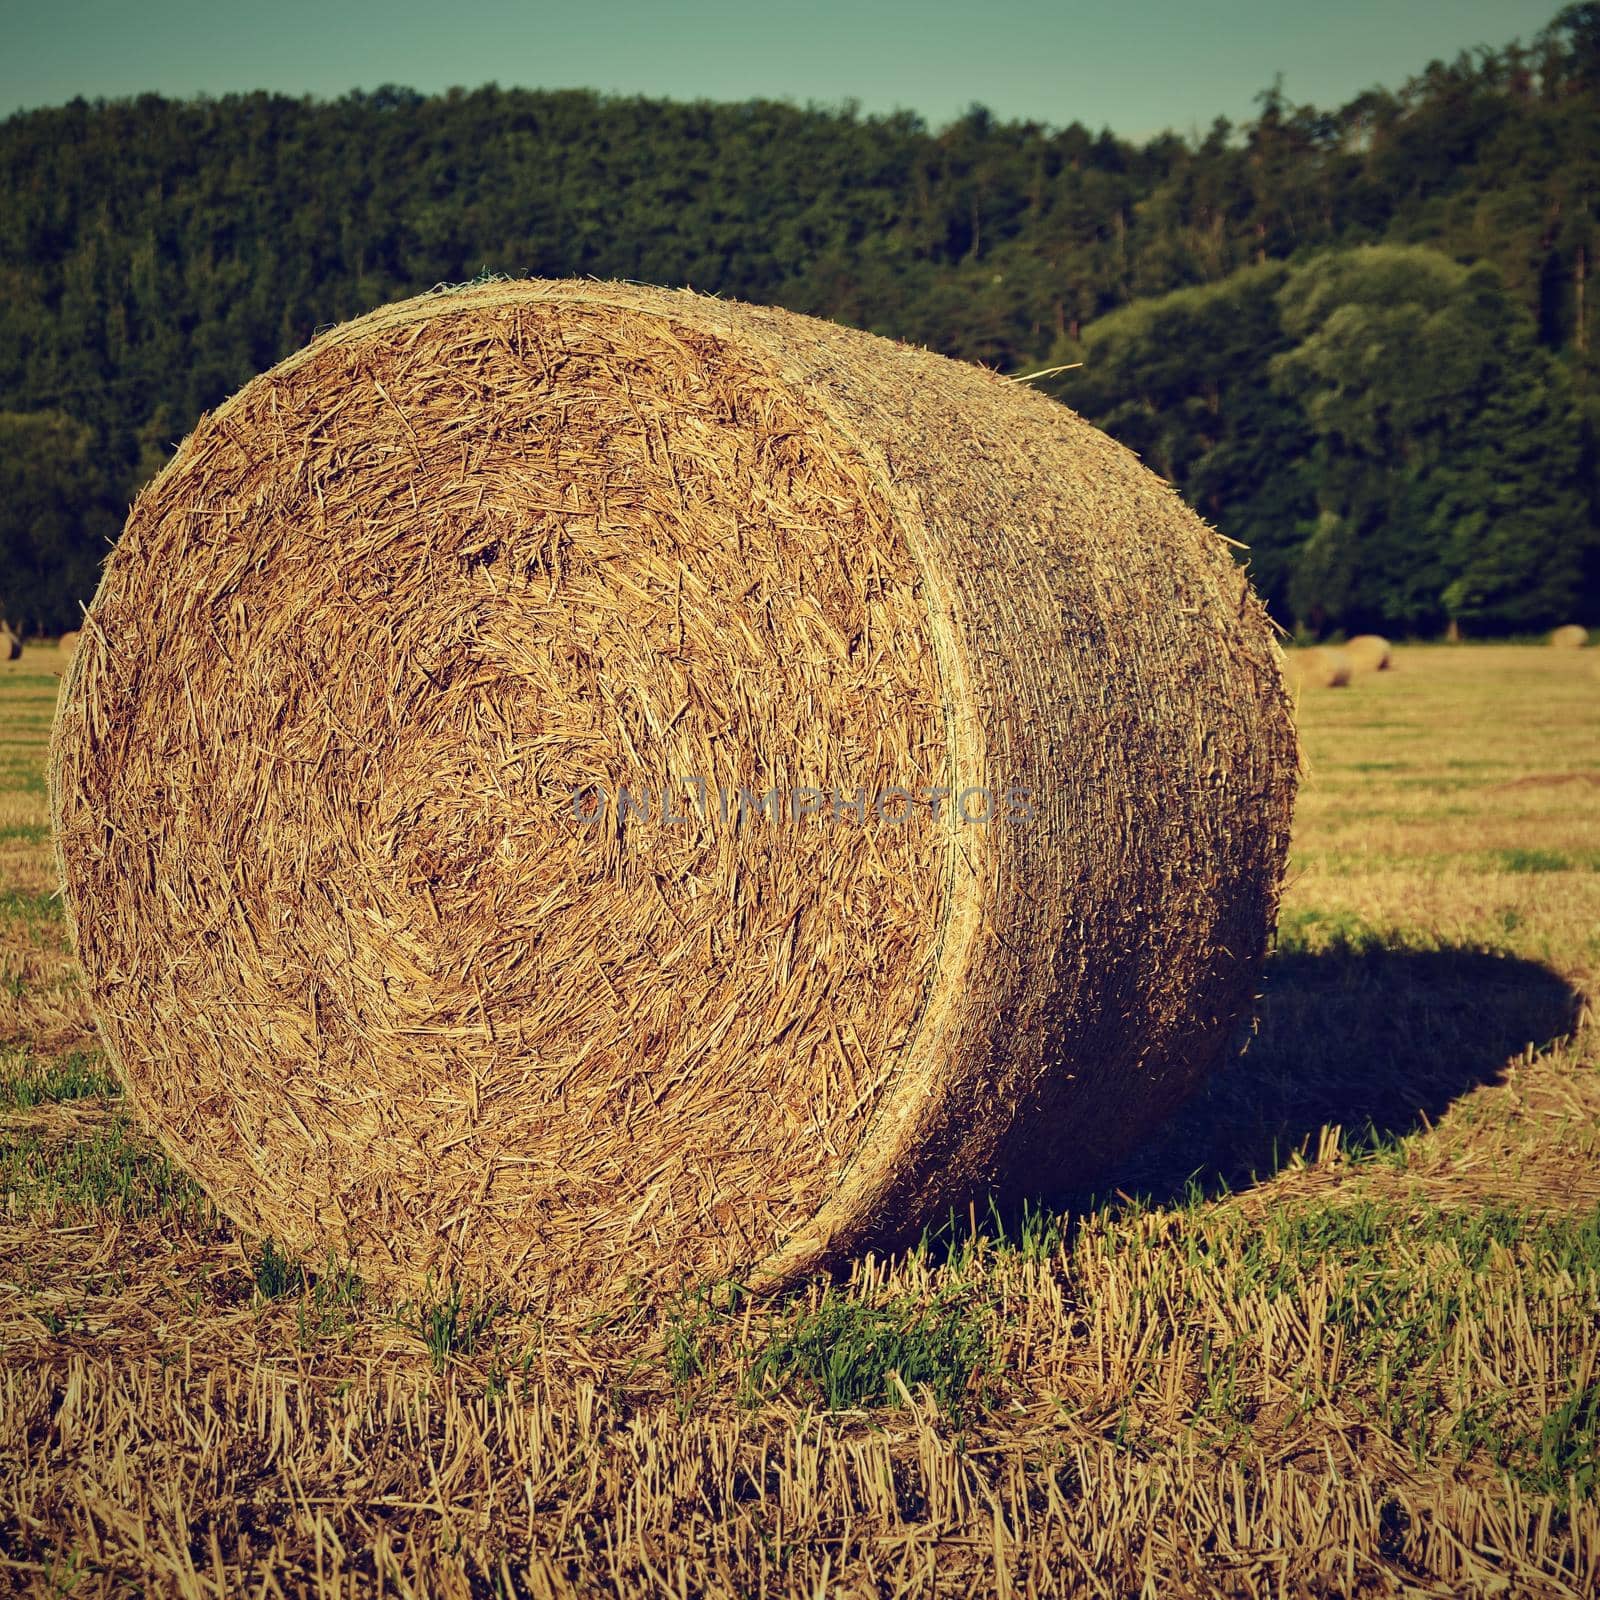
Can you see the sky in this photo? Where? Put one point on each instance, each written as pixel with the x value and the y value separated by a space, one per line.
pixel 1135 66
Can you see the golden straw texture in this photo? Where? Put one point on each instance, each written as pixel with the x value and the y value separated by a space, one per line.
pixel 1569 636
pixel 387 610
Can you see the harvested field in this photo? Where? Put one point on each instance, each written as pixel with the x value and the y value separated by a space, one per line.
pixel 1340 1332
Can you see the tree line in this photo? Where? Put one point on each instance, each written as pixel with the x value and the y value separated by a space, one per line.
pixel 1359 340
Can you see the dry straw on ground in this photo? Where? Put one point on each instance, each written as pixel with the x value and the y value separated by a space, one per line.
pixel 394 603
pixel 1569 636
pixel 1369 652
pixel 1321 667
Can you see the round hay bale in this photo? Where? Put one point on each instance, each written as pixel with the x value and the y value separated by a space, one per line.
pixel 10 644
pixel 574 786
pixel 68 642
pixel 1321 667
pixel 1369 652
pixel 1569 636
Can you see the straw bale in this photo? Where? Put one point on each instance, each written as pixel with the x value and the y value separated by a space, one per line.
pixel 1369 652
pixel 68 642
pixel 1321 667
pixel 1569 636
pixel 391 607
pixel 10 644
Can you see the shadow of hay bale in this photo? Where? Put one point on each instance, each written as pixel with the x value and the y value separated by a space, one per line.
pixel 1380 1042
pixel 1374 1040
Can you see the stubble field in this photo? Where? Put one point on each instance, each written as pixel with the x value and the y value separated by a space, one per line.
pixel 1338 1332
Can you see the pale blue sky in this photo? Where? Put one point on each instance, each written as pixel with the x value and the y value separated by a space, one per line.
pixel 1136 66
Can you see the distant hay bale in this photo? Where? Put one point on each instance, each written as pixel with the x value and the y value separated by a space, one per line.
pixel 1321 667
pixel 1570 636
pixel 1369 652
pixel 470 798
pixel 68 642
pixel 10 644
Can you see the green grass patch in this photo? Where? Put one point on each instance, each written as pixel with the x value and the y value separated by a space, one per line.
pixel 1400 1283
pixel 19 780
pixel 276 1273
pixel 1434 783
pixel 848 1353
pixel 17 906
pixel 1534 861
pixel 327 1300
pixel 13 684
pixel 26 1082
pixel 109 1172
pixel 1364 1231
pixel 1564 1450
pixel 454 1326
pixel 1308 930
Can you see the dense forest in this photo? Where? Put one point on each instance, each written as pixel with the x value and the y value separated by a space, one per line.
pixel 1358 340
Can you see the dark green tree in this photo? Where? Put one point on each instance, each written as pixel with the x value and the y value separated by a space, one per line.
pixel 1446 453
pixel 53 521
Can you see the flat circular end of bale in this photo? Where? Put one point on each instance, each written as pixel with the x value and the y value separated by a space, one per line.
pixel 574 788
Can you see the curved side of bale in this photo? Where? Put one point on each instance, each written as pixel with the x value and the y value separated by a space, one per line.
pixel 10 644
pixel 1569 636
pixel 1369 652
pixel 1321 667
pixel 380 986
